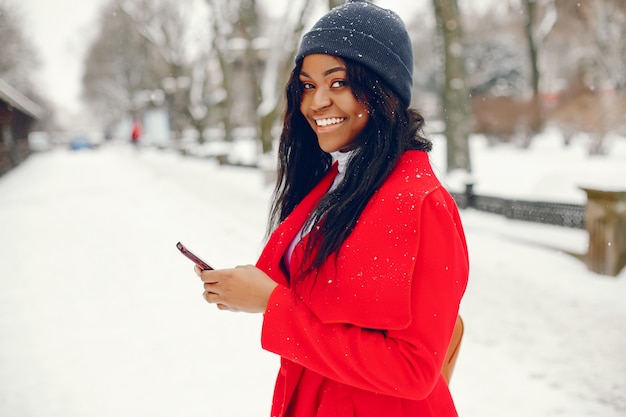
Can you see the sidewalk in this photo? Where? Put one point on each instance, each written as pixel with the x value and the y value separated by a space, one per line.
pixel 99 313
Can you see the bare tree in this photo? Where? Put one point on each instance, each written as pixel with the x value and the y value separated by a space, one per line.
pixel 165 26
pixel 223 16
pixel 280 60
pixel 455 93
pixel 121 66
pixel 605 22
pixel 530 7
pixel 18 59
pixel 535 119
pixel 586 36
pixel 243 43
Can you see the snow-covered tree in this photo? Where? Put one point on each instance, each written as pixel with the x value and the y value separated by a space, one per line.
pixel 121 66
pixel 247 42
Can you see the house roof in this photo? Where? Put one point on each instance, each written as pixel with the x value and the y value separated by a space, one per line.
pixel 17 100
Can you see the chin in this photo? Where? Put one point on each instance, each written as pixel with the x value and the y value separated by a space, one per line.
pixel 334 147
pixel 330 150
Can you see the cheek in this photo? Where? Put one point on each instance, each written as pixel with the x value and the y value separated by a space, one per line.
pixel 362 119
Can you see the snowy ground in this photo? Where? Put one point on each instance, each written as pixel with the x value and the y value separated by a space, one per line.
pixel 101 316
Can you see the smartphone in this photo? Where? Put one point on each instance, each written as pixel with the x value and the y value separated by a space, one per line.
pixel 193 257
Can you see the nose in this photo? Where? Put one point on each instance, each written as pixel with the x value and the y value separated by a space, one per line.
pixel 321 99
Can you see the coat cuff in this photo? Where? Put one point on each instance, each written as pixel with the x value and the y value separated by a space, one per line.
pixel 274 316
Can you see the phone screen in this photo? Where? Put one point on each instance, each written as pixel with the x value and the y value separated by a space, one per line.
pixel 193 257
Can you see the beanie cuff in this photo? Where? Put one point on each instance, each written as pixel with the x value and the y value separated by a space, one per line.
pixel 364 49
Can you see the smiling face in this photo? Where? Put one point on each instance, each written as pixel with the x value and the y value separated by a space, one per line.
pixel 328 104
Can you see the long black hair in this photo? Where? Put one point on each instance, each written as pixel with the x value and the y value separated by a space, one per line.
pixel 392 129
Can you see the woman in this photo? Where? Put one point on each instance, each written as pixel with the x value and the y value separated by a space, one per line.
pixel 366 263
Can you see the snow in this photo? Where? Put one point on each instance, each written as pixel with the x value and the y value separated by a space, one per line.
pixel 101 316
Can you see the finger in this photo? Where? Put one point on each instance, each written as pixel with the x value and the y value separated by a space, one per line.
pixel 208 276
pixel 197 270
pixel 212 287
pixel 211 297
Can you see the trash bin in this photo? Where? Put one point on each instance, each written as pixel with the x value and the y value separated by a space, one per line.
pixel 605 221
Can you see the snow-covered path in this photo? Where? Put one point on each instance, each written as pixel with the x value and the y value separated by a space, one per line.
pixel 101 316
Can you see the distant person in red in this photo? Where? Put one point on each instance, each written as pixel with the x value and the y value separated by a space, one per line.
pixel 136 133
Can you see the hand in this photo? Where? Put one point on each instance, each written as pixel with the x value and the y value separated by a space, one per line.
pixel 244 288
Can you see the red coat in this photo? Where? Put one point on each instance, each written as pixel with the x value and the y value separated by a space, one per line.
pixel 367 336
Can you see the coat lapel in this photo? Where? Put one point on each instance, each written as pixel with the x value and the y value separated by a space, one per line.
pixel 271 258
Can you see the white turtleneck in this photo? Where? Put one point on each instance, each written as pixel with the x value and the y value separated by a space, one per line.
pixel 342 159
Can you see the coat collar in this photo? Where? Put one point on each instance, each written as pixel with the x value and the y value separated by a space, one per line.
pixel 270 260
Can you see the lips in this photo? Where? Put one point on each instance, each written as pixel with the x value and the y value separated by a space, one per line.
pixel 329 121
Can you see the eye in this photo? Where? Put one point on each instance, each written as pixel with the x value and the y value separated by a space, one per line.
pixel 339 83
pixel 306 86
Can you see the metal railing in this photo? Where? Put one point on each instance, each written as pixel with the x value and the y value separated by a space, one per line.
pixel 559 214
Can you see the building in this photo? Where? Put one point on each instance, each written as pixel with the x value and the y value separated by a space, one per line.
pixel 17 117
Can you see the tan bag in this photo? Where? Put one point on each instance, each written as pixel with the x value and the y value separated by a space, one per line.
pixel 453 349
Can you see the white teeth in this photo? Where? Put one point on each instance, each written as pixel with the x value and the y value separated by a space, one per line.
pixel 328 122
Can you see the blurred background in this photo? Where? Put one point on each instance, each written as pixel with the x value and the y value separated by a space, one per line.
pixel 204 75
pixel 127 125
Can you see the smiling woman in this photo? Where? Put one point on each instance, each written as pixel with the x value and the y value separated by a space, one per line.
pixel 366 262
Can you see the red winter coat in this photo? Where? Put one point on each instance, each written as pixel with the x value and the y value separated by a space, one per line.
pixel 367 336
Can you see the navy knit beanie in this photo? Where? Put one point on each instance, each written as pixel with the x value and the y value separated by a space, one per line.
pixel 369 35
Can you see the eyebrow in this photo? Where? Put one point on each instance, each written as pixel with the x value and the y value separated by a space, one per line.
pixel 326 73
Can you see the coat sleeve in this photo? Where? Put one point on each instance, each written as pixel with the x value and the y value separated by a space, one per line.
pixel 344 341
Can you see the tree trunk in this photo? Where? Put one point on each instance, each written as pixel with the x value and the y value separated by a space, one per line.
pixel 455 93
pixel 536 120
pixel 531 6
